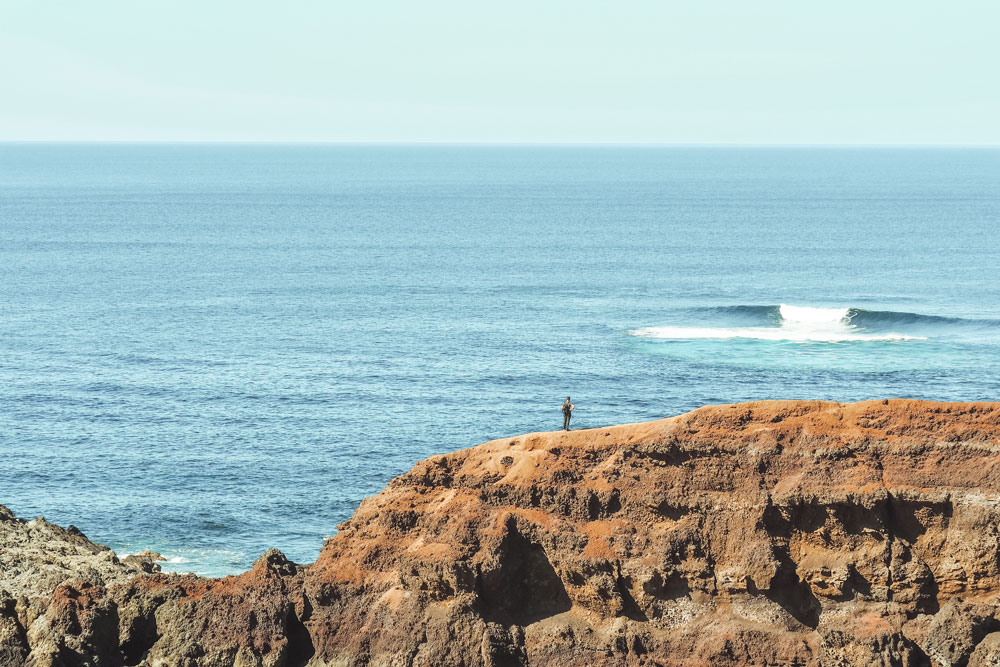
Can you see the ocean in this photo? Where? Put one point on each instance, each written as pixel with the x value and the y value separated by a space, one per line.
pixel 210 350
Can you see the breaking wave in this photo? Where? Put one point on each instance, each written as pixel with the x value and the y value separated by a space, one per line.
pixel 802 324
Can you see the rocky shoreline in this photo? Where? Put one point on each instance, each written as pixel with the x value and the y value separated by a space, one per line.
pixel 768 533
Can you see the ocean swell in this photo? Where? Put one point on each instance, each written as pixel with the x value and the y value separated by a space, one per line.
pixel 790 323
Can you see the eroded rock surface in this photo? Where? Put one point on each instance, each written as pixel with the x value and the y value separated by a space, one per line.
pixel 769 533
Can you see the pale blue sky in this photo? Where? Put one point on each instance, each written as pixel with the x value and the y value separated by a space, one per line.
pixel 705 71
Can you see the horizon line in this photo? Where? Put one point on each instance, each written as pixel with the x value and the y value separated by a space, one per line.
pixel 493 143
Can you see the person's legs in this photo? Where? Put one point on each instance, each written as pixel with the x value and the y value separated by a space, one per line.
pixel 566 422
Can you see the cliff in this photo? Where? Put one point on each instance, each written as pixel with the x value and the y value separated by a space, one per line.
pixel 769 533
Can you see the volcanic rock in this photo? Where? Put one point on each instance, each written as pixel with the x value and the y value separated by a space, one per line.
pixel 768 533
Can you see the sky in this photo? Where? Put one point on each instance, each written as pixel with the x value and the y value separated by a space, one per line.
pixel 625 71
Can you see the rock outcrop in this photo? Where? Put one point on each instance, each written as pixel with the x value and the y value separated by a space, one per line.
pixel 769 533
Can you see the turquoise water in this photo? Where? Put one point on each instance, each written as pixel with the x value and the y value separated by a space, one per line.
pixel 208 350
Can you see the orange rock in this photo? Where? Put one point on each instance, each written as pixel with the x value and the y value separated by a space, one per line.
pixel 774 532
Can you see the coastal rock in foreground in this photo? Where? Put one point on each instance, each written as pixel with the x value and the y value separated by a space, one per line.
pixel 768 533
pixel 44 570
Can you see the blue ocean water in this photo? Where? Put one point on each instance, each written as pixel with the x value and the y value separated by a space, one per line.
pixel 209 350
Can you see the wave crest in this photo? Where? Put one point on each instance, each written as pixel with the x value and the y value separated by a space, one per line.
pixel 793 323
pixel 810 316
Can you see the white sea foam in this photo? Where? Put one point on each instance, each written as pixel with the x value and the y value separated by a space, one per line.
pixel 204 562
pixel 809 316
pixel 798 324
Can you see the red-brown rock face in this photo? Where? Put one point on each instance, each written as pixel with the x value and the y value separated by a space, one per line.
pixel 776 533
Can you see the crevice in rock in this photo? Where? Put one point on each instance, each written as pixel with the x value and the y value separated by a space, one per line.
pixel 524 587
pixel 917 656
pixel 904 521
pixel 142 635
pixel 300 643
pixel 857 584
pixel 774 523
pixel 792 594
pixel 601 506
pixel 630 608
pixel 672 511
pixel 856 519
pixel 502 647
pixel 672 587
pixel 13 638
pixel 665 453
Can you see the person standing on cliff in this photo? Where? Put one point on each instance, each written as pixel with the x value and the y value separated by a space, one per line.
pixel 567 409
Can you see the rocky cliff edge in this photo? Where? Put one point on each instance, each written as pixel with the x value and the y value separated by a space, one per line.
pixel 768 533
